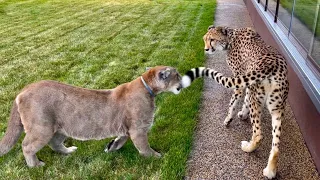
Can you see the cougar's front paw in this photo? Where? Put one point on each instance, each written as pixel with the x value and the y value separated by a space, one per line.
pixel 156 154
pixel 151 153
pixel 71 149
pixel 41 163
pixel 37 164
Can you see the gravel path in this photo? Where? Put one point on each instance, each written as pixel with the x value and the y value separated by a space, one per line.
pixel 216 150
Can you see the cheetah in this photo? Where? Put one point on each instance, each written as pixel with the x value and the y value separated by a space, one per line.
pixel 259 72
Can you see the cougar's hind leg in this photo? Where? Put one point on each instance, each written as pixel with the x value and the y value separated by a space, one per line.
pixel 35 140
pixel 39 129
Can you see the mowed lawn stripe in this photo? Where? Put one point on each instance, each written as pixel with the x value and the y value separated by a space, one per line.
pixel 45 50
pixel 105 47
pixel 41 13
pixel 137 47
pixel 154 40
pixel 52 33
pixel 60 35
pixel 43 21
pixel 59 42
pixel 127 57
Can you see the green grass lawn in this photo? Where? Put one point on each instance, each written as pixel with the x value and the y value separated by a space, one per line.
pixel 101 44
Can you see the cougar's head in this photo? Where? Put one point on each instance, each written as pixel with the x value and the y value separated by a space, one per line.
pixel 164 79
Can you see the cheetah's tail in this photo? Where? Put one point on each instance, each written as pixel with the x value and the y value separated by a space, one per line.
pixel 237 82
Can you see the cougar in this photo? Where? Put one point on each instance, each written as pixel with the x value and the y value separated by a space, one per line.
pixel 49 112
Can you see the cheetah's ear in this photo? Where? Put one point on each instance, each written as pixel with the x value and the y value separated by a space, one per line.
pixel 211 27
pixel 224 30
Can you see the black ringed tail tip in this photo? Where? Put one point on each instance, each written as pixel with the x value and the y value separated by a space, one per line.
pixel 197 72
pixel 110 144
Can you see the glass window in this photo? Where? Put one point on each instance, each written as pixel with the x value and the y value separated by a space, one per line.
pixel 315 46
pixel 284 12
pixel 302 20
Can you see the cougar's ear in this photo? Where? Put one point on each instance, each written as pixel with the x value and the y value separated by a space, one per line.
pixel 211 27
pixel 164 74
pixel 148 68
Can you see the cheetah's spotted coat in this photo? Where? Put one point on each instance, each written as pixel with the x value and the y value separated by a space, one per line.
pixel 260 71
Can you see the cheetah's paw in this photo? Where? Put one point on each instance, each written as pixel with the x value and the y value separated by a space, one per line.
pixel 227 121
pixel 247 146
pixel 269 173
pixel 242 116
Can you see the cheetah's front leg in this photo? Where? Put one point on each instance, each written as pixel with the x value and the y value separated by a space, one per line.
pixel 233 103
pixel 243 114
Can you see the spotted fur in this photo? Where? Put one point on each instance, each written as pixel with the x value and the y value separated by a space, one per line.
pixel 260 71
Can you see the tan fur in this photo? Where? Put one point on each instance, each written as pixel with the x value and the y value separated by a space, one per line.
pixel 50 111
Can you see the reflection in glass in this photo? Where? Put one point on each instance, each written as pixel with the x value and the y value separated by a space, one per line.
pixel 302 19
pixel 285 9
pixel 315 46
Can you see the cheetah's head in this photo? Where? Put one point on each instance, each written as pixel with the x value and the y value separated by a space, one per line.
pixel 216 39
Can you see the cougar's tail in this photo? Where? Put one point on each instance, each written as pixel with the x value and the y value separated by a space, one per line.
pixel 13 132
pixel 241 81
